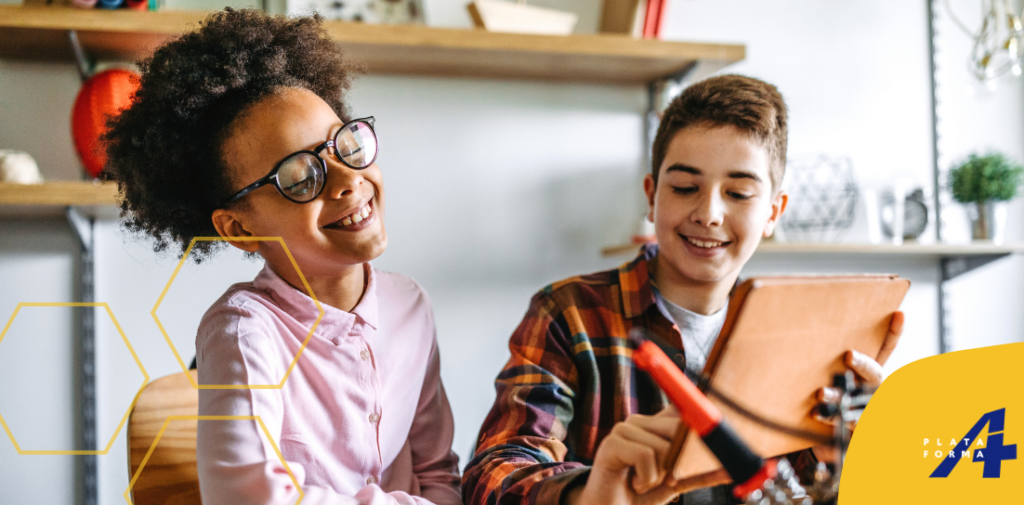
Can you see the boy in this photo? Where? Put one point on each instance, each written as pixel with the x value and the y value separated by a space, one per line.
pixel 573 422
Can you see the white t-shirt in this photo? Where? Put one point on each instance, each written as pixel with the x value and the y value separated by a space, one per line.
pixel 699 332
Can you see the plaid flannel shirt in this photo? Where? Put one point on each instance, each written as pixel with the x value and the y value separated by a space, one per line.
pixel 570 379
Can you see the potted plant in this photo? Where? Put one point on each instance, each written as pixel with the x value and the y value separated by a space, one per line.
pixel 984 184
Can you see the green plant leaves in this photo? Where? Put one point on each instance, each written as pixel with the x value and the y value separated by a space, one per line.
pixel 983 178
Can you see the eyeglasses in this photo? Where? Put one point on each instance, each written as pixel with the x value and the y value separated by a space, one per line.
pixel 302 175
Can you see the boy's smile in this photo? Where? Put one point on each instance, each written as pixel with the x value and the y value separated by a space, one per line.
pixel 711 204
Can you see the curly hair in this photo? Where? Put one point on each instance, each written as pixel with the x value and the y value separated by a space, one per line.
pixel 165 150
pixel 752 105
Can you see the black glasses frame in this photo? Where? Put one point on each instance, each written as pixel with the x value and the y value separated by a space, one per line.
pixel 271 178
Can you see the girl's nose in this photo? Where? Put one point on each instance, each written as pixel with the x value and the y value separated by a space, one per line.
pixel 342 181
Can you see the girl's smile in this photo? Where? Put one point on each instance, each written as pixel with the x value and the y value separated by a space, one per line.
pixel 357 220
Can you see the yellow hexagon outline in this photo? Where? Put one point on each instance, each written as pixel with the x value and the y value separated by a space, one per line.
pixel 258 419
pixel 302 348
pixel 124 419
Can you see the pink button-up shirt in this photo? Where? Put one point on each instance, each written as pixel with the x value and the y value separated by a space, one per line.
pixel 363 417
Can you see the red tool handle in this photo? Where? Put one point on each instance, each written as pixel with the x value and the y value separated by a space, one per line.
pixel 747 469
pixel 694 407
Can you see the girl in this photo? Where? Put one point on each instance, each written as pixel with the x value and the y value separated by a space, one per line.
pixel 239 129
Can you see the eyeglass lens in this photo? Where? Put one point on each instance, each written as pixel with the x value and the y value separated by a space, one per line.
pixel 356 145
pixel 301 177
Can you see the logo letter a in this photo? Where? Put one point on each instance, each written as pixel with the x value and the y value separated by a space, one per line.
pixel 997 452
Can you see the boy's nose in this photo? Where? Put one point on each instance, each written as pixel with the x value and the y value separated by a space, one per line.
pixel 709 211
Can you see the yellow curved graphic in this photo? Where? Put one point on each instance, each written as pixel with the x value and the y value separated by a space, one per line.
pixel 302 348
pixel 124 419
pixel 964 411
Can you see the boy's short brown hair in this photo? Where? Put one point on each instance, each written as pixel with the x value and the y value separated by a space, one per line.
pixel 749 104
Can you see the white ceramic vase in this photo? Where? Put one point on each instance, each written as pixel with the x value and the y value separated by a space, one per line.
pixel 988 220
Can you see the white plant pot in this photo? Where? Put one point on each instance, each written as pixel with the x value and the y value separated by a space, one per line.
pixel 988 220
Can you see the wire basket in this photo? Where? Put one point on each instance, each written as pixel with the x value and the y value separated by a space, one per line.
pixel 822 200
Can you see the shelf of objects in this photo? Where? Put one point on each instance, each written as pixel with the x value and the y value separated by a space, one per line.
pixel 41 33
pixel 910 249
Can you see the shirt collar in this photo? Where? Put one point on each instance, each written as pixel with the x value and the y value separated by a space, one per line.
pixel 298 304
pixel 637 287
pixel 635 282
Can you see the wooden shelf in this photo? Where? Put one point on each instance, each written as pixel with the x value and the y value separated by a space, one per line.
pixel 927 250
pixel 59 193
pixel 40 33
pixel 937 250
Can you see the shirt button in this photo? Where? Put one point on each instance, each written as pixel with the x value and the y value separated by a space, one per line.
pixel 364 355
pixel 374 417
pixel 371 480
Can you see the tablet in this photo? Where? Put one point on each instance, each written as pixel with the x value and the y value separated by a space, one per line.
pixel 784 338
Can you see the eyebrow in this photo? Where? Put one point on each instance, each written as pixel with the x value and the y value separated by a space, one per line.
pixel 735 174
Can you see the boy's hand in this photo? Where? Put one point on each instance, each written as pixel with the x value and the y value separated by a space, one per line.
pixel 868 370
pixel 627 468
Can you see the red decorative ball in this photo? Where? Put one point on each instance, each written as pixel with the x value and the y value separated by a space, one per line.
pixel 104 94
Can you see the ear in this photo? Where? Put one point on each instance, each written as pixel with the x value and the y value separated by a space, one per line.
pixel 778 207
pixel 649 188
pixel 232 223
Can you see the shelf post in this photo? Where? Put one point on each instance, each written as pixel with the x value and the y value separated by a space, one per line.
pixel 945 344
pixel 86 65
pixel 84 229
pixel 937 172
pixel 86 348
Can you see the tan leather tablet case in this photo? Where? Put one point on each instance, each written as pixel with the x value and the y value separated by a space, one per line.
pixel 783 338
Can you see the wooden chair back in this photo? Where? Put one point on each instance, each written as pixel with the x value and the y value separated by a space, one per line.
pixel 170 477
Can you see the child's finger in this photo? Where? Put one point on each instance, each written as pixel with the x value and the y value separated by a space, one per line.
pixel 660 495
pixel 640 436
pixel 866 368
pixel 825 453
pixel 828 395
pixel 647 474
pixel 708 479
pixel 669 411
pixel 663 424
pixel 892 338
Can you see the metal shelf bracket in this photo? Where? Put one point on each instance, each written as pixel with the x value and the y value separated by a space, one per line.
pixel 84 228
pixel 954 266
pixel 86 65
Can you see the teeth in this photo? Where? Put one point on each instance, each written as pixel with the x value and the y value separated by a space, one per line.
pixel 701 243
pixel 357 216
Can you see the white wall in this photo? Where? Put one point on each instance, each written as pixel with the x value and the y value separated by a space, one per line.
pixel 484 224
pixel 986 303
pixel 38 259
